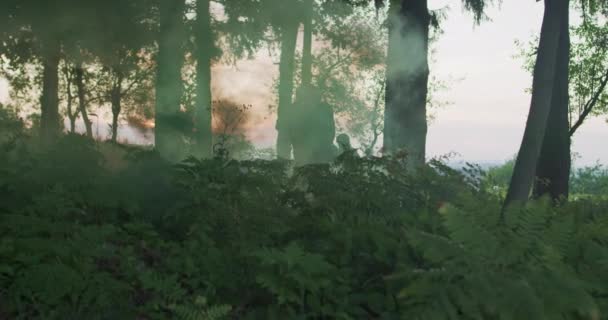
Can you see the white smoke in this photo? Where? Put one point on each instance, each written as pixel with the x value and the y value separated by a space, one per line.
pixel 407 53
pixel 3 91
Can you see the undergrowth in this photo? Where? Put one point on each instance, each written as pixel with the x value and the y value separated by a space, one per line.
pixel 225 239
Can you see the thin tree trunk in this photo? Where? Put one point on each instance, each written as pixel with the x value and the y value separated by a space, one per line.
pixel 72 115
pixel 115 122
pixel 543 85
pixel 376 130
pixel 204 45
pixel 116 101
pixel 82 103
pixel 289 36
pixel 168 135
pixel 407 78
pixel 553 168
pixel 307 47
pixel 50 126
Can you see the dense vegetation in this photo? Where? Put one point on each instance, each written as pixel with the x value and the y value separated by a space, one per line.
pixel 198 226
pixel 101 231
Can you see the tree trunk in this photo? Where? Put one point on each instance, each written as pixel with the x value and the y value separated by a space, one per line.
pixel 116 101
pixel 50 126
pixel 72 115
pixel 204 45
pixel 543 85
pixel 82 103
pixel 553 168
pixel 289 36
pixel 168 135
pixel 307 48
pixel 407 78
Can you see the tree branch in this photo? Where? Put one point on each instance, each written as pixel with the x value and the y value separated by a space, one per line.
pixel 590 104
pixel 137 80
pixel 323 76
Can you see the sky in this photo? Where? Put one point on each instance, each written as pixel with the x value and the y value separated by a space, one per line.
pixel 489 106
pixel 485 119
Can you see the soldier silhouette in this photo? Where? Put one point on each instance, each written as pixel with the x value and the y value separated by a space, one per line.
pixel 312 127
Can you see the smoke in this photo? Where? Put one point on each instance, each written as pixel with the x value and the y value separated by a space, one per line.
pixel 407 54
pixel 3 91
pixel 249 83
pixel 230 118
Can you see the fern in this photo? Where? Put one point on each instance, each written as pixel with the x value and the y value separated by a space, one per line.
pixel 355 239
pixel 199 310
pixel 511 270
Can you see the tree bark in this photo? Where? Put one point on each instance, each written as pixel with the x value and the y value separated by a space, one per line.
pixel 168 135
pixel 82 103
pixel 407 78
pixel 307 46
pixel 116 101
pixel 543 85
pixel 72 115
pixel 289 36
pixel 554 163
pixel 204 46
pixel 50 126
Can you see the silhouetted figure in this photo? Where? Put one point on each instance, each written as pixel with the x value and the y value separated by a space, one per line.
pixel 312 127
pixel 344 145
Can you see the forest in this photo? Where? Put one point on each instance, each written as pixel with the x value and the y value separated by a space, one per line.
pixel 134 184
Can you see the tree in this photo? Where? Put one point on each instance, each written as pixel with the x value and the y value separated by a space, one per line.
pixel 33 33
pixel 126 57
pixel 315 16
pixel 554 31
pixel 76 32
pixel 580 92
pixel 554 163
pixel 350 70
pixel 407 75
pixel 287 27
pixel 349 67
pixel 68 80
pixel 289 34
pixel 113 36
pixel 82 99
pixel 204 48
pixel 168 134
pixel 349 42
pixel 589 71
pixel 49 101
pixel 125 85
pixel 307 44
pixel 235 34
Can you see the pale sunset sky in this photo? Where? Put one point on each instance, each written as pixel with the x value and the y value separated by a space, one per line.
pixel 488 102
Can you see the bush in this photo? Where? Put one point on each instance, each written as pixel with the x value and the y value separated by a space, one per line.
pixel 226 239
pixel 590 181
